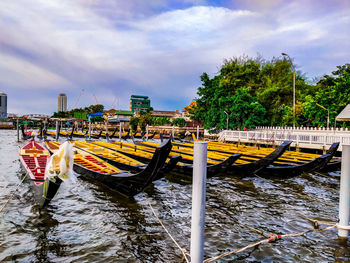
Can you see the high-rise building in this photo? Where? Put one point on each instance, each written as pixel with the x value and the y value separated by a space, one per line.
pixel 139 103
pixel 3 104
pixel 62 102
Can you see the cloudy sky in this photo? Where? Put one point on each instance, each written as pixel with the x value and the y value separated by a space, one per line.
pixel 107 50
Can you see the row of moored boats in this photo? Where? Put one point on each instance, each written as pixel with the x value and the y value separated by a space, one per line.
pixel 130 167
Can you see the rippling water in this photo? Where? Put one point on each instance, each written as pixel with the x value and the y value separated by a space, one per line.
pixel 87 222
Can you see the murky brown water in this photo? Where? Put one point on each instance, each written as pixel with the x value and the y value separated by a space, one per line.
pixel 89 223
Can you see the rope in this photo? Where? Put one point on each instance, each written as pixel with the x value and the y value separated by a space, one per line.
pixel 271 239
pixel 301 195
pixel 183 251
pixel 8 200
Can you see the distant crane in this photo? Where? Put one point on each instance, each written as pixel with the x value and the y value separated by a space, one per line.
pixel 76 102
pixel 115 102
pixel 95 99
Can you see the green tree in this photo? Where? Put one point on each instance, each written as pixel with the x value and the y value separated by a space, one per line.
pixel 268 88
pixel 134 122
pixel 179 122
pixel 333 94
pixel 160 121
pixel 144 119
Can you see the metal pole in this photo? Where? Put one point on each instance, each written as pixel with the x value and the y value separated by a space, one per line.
pixel 344 199
pixel 198 201
pixel 56 130
pixel 106 123
pixel 172 132
pixel 197 132
pixel 120 131
pixel 17 130
pixel 290 60
pixel 328 120
pixel 293 97
pixel 147 132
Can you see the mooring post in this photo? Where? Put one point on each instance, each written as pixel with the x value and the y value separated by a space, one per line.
pixel 120 131
pixel 198 201
pixel 173 131
pixel 147 132
pixel 89 128
pixel 56 131
pixel 197 132
pixel 344 199
pixel 106 123
pixel 17 130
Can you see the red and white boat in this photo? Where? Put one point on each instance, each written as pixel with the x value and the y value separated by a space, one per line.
pixel 34 158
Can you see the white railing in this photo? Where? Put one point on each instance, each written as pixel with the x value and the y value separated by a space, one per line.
pixel 300 138
pixel 304 129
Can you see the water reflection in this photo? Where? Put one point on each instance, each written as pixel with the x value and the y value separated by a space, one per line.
pixel 48 246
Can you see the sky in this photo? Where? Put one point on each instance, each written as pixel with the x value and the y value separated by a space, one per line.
pixel 104 51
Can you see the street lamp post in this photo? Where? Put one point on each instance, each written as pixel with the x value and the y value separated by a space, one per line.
pixel 284 54
pixel 327 116
pixel 226 120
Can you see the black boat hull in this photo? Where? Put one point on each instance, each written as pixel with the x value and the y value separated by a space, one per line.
pixel 127 183
pixel 251 168
pixel 45 192
pixel 295 170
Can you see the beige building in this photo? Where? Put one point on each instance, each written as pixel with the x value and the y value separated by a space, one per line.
pixel 62 102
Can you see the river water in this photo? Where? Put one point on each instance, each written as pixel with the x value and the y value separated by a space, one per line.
pixel 87 222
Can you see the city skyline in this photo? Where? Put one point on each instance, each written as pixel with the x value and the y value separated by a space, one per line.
pixel 112 49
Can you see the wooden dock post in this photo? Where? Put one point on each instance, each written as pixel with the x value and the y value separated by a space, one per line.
pixel 89 128
pixel 57 131
pixel 147 132
pixel 120 131
pixel 17 124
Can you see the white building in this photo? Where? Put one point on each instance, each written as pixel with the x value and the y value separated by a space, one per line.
pixel 3 104
pixel 62 102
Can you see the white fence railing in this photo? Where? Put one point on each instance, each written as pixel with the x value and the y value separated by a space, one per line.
pixel 316 139
pixel 304 129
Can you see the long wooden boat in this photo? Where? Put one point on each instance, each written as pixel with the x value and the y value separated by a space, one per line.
pixel 253 167
pixel 115 158
pixel 34 158
pixel 295 170
pixel 248 164
pixel 26 135
pixel 143 154
pixel 129 184
pixel 123 161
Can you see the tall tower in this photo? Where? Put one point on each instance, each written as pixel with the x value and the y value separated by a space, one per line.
pixel 3 104
pixel 62 102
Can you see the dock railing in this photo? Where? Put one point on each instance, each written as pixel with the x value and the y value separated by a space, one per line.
pixel 313 139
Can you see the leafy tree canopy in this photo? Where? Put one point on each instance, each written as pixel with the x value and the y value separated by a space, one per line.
pixel 253 91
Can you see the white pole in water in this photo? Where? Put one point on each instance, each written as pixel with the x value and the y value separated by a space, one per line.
pixel 197 132
pixel 120 131
pixel 198 201
pixel 147 132
pixel 344 199
pixel 56 131
pixel 17 130
pixel 173 131
pixel 89 128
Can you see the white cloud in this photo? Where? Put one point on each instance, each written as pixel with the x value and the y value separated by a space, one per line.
pixel 108 48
